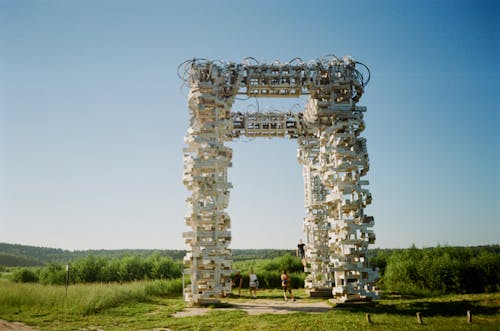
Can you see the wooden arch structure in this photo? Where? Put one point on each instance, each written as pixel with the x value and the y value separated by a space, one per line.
pixel 333 154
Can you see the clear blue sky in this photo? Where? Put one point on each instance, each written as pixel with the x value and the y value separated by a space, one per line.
pixel 92 118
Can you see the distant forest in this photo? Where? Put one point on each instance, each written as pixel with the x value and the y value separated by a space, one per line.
pixel 15 255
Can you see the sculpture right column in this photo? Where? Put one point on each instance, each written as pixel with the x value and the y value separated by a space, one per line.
pixel 333 118
pixel 344 161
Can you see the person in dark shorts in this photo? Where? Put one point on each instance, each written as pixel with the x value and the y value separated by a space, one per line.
pixel 285 284
pixel 237 281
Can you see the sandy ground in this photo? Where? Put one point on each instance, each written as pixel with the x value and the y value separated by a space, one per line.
pixel 263 306
pixel 14 326
pixel 17 326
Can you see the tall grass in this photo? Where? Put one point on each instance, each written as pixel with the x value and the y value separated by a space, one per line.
pixel 82 299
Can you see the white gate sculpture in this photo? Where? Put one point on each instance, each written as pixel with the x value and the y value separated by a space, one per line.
pixel 333 155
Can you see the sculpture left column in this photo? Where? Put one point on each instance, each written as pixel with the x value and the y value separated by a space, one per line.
pixel 206 161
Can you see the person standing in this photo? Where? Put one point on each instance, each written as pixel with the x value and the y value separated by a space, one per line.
pixel 301 252
pixel 253 284
pixel 285 284
pixel 237 281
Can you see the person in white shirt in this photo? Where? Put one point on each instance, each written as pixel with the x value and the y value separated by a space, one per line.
pixel 254 283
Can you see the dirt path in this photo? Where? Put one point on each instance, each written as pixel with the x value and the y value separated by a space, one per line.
pixel 14 326
pixel 263 306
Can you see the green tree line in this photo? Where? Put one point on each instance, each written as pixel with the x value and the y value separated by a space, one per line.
pixel 13 260
pixel 25 255
pixel 34 255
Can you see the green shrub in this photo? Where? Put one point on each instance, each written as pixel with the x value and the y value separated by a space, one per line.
pixel 111 271
pixel 163 267
pixel 24 275
pixel 442 270
pixel 286 262
pixel 54 274
pixel 269 279
pixel 132 268
pixel 88 270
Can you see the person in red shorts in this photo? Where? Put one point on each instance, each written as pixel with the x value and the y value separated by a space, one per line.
pixel 285 284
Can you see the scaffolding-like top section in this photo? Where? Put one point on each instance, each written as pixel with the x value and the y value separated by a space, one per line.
pixel 320 78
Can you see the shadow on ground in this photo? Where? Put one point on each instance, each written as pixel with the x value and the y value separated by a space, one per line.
pixel 394 305
pixel 427 308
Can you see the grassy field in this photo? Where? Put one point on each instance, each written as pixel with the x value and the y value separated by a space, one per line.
pixel 148 305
